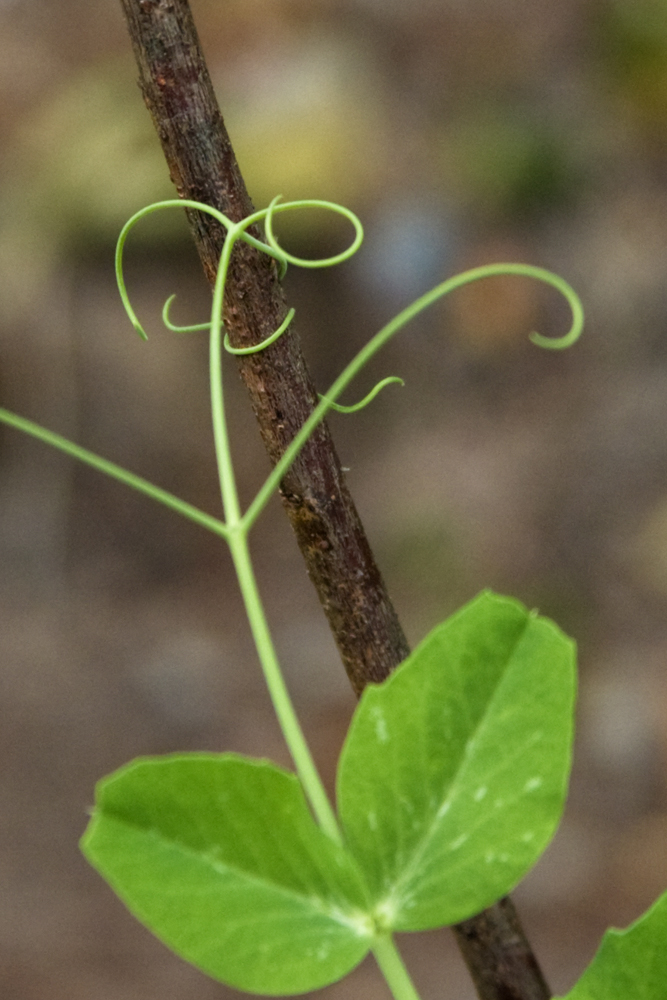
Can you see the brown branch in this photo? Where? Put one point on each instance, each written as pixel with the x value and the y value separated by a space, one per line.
pixel 499 957
pixel 178 93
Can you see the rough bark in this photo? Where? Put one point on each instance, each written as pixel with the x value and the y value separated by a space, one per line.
pixel 177 90
pixel 499 957
pixel 178 93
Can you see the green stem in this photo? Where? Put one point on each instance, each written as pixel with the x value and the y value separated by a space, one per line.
pixel 289 723
pixel 228 490
pixel 393 969
pixel 237 539
pixel 115 471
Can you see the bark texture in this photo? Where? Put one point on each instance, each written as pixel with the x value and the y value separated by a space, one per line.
pixel 499 957
pixel 177 90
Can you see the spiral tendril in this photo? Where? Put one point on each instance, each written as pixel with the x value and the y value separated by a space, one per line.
pixel 355 407
pixel 237 231
pixel 197 327
pixel 265 343
pixel 327 401
pixel 180 329
pixel 311 203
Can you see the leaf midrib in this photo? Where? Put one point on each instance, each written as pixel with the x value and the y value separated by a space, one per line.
pixel 224 868
pixel 420 848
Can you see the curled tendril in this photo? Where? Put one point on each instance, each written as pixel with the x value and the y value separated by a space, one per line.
pixel 329 206
pixel 393 327
pixel 197 327
pixel 458 281
pixel 235 231
pixel 265 343
pixel 180 329
pixel 327 401
pixel 355 407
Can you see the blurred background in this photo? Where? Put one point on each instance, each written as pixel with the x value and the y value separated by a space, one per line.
pixel 463 132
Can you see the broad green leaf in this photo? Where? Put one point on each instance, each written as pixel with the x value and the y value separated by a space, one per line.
pixel 629 964
pixel 219 856
pixel 454 773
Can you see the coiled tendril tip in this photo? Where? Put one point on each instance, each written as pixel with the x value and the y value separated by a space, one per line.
pixel 255 348
pixel 286 258
pixel 355 407
pixel 180 329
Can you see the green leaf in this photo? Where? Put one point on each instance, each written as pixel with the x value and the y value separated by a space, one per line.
pixel 454 773
pixel 629 964
pixel 220 857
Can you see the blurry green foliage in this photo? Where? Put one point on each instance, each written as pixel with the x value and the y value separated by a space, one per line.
pixel 632 44
pixel 502 161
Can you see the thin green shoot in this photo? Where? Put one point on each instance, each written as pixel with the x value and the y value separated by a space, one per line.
pixel 236 525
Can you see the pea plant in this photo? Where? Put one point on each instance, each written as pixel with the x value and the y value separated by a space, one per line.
pixel 451 781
